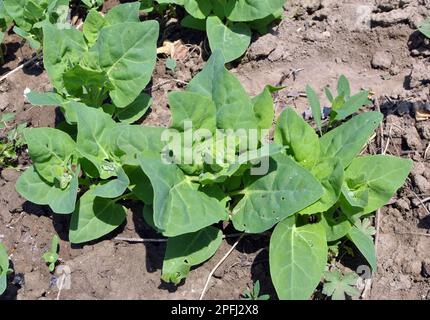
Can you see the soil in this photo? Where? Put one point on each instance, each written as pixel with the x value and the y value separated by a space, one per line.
pixel 373 42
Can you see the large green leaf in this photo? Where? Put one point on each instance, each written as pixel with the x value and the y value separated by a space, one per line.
pixel 285 190
pixel 195 107
pixel 31 186
pixel 249 10
pixel 232 40
pixel 346 141
pixel 127 53
pixel 381 175
pixel 62 49
pixel 234 106
pixel 179 207
pixel 297 257
pixel 365 245
pixel 94 217
pixel 300 139
pixel 94 139
pixel 50 150
pixel 329 173
pixel 189 250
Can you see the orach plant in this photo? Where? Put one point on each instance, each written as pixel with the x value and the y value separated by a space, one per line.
pixel 314 191
pixel 228 23
pixel 106 66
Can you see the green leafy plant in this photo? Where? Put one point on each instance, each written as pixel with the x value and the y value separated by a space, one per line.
pixel 425 28
pixel 342 106
pixel 215 164
pixel 106 66
pixel 228 23
pixel 4 268
pixel 30 16
pixel 338 285
pixel 11 142
pixel 254 293
pixel 51 256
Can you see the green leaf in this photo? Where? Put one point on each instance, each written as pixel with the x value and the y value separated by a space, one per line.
pixel 328 94
pixel 346 141
pixel 44 98
pixel 94 217
pixel 190 22
pixel 188 250
pixel 140 184
pixel 4 268
pixel 62 49
pixel 300 139
pixel 365 245
pixel 94 22
pixel 199 9
pixel 337 285
pixel 264 108
pixel 285 190
pixel 343 87
pixel 249 10
pixel 352 105
pixel 132 140
pixel 113 188
pixel 232 40
pixel 315 105
pixel 179 207
pixel 171 64
pixel 382 176
pixel 31 186
pixel 234 106
pixel 329 173
pixel 425 28
pixel 127 53
pixel 125 12
pixel 50 150
pixel 190 106
pixel 297 257
pixel 94 140
pixel 135 110
pixel 336 224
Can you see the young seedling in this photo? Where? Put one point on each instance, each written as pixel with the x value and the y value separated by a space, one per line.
pixel 342 106
pixel 338 286
pixel 171 64
pixel 254 293
pixel 11 142
pixel 51 256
